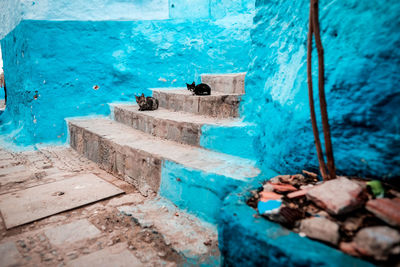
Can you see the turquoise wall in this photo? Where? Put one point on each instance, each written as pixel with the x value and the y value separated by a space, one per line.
pixel 362 62
pixel 94 9
pixel 52 66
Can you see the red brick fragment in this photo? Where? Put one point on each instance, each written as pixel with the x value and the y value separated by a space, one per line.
pixel 278 187
pixel 349 248
pixel 265 195
pixel 388 210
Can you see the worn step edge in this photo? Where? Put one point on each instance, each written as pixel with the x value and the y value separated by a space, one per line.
pixel 178 126
pixel 151 164
pixel 220 105
pixel 226 83
pixel 193 238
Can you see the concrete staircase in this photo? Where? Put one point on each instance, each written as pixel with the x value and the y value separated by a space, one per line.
pixel 162 151
pixel 177 150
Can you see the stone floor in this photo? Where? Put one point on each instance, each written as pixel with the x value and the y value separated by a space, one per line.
pixel 96 234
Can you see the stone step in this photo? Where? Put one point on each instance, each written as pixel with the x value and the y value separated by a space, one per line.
pixel 232 83
pixel 194 239
pixel 177 171
pixel 178 126
pixel 2 106
pixel 220 105
pixel 226 135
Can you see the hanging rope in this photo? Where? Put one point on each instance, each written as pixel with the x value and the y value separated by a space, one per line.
pixel 315 30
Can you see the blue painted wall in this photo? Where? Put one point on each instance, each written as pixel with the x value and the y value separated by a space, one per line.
pixel 237 139
pixel 362 60
pixel 64 60
pixel 94 9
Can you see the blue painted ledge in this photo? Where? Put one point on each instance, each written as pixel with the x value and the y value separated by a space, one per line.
pixel 248 241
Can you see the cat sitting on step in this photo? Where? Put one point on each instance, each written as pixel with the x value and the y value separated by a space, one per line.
pixel 146 103
pixel 200 89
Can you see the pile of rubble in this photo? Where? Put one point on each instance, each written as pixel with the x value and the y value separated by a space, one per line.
pixel 359 217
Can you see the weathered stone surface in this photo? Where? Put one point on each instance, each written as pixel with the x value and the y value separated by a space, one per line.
pixel 220 105
pixel 149 152
pixel 72 232
pixel 126 199
pixel 321 229
pixel 176 126
pixel 188 235
pixel 386 209
pixel 107 257
pixel 226 83
pixel 379 242
pixel 40 201
pixel 337 196
pixel 9 255
pixel 2 105
pixel 140 159
pixel 13 169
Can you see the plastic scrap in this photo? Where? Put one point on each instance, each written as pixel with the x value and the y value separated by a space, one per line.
pixel 269 206
pixel 376 188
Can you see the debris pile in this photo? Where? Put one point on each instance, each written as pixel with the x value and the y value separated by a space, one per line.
pixel 359 217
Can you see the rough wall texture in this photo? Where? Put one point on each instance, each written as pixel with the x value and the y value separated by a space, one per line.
pixel 51 67
pixel 94 9
pixel 362 59
pixel 10 16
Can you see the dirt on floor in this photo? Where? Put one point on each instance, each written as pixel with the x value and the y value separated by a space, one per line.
pixel 33 245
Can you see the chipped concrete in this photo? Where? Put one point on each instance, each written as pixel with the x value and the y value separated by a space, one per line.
pixel 176 126
pixel 107 257
pixel 66 233
pixel 231 83
pixel 196 239
pixel 220 105
pixel 103 231
pixel 40 201
pixel 9 254
pixel 138 157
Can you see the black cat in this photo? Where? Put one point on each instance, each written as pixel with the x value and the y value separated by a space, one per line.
pixel 147 103
pixel 200 89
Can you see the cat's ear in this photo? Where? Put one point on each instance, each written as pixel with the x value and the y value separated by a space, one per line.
pixel 142 95
pixel 137 98
pixel 193 83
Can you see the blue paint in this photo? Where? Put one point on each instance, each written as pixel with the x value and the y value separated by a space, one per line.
pixel 201 193
pixel 362 64
pixel 194 9
pixel 246 239
pixel 64 60
pixel 230 8
pixel 95 10
pixel 237 139
pixel 198 192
